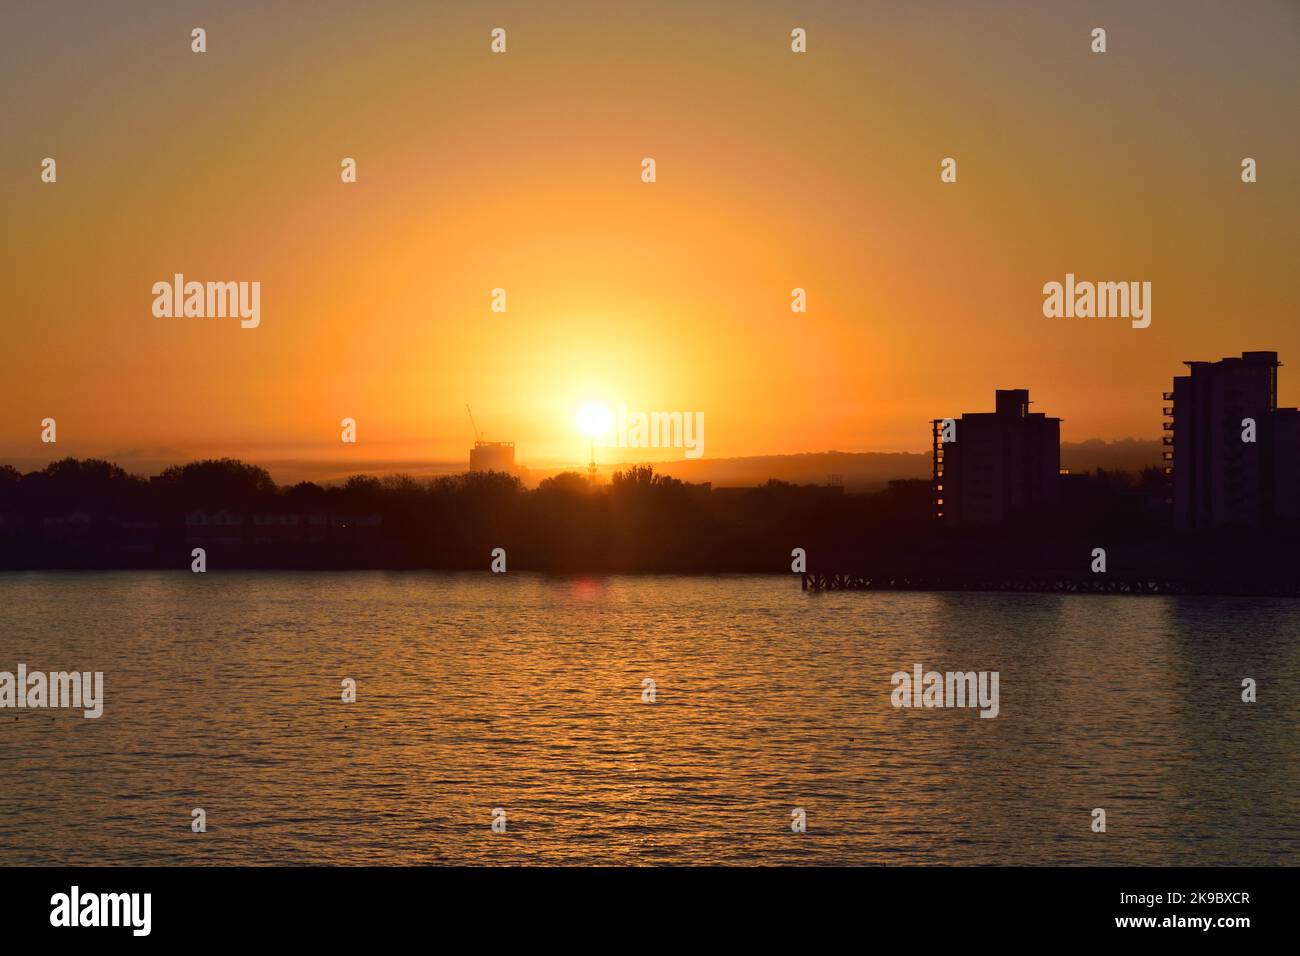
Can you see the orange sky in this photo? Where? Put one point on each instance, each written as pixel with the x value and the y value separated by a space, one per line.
pixel 522 171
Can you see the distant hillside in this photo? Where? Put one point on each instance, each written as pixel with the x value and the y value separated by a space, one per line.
pixel 870 471
pixel 1129 454
pixel 858 471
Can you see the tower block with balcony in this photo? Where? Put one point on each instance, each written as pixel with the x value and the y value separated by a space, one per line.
pixel 1232 456
pixel 1002 464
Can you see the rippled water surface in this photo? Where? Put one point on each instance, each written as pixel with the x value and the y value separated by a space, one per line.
pixel 525 692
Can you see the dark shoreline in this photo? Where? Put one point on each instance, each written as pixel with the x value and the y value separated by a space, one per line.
pixel 228 515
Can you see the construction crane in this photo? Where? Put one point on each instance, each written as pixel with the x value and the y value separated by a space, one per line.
pixel 478 436
pixel 496 456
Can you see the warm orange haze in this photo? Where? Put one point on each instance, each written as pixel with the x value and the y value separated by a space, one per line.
pixel 464 457
pixel 523 173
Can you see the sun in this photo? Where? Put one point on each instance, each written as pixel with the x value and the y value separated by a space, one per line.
pixel 594 419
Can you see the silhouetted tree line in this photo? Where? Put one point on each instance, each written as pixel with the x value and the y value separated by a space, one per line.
pixel 93 514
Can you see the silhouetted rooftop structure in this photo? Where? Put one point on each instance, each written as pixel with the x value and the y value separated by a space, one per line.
pixel 1234 456
pixel 991 466
pixel 492 456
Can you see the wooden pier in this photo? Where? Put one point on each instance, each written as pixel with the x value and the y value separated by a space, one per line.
pixel 1049 583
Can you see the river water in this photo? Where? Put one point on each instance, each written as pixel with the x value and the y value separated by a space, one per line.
pixel 525 694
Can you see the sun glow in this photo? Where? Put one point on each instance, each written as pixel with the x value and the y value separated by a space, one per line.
pixel 594 419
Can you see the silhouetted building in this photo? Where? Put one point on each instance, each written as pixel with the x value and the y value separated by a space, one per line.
pixel 1286 462
pixel 1220 476
pixel 492 456
pixel 996 464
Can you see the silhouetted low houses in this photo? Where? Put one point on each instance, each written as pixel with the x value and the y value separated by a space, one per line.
pixel 215 529
pixel 139 537
pixel 74 525
pixel 227 529
pixel 276 529
pixel 990 467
